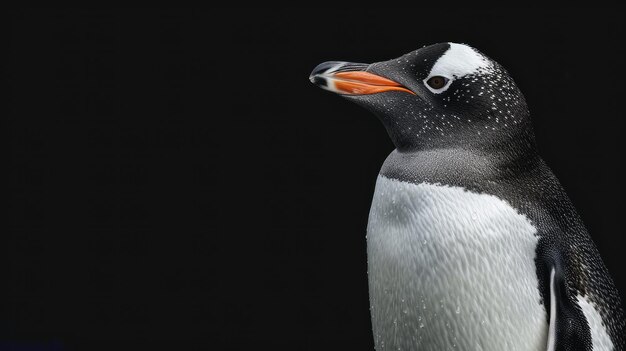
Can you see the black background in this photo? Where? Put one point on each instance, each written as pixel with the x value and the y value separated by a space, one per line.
pixel 175 180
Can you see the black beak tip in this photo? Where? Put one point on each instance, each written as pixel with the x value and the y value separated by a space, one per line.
pixel 337 66
pixel 324 67
pixel 319 81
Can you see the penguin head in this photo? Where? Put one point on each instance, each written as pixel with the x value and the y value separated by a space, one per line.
pixel 442 95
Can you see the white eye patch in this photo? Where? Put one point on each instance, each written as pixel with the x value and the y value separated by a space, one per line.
pixel 458 61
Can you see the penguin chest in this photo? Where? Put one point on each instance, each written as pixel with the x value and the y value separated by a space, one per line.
pixel 451 269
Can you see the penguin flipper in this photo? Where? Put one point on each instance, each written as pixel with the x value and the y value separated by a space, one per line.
pixel 552 326
pixel 568 329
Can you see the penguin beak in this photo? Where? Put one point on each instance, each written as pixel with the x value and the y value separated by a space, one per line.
pixel 349 78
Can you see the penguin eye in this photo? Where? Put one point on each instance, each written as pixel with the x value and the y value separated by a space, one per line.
pixel 437 82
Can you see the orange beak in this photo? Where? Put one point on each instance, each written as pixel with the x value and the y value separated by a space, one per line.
pixel 352 79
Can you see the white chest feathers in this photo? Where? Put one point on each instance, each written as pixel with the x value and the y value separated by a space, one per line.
pixel 451 270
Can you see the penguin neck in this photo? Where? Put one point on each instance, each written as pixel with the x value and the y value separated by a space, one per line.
pixel 511 143
pixel 505 157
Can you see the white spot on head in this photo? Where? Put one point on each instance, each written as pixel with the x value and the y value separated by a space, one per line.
pixel 459 61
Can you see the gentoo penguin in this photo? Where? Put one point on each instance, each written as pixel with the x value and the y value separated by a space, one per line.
pixel 472 242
